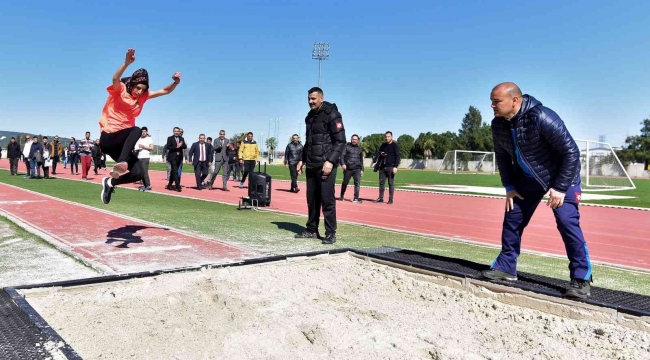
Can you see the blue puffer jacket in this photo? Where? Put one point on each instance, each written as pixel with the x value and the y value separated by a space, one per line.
pixel 544 143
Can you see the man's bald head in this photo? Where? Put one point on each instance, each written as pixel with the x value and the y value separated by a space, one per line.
pixel 509 88
pixel 506 100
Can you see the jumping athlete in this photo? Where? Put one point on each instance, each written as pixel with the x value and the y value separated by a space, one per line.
pixel 126 97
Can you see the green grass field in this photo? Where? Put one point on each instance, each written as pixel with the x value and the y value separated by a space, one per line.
pixel 407 177
pixel 272 233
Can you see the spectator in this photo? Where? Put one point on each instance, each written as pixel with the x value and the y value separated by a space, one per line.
pixel 232 163
pixel 56 151
pixel 86 155
pixel 292 156
pixel 73 156
pixel 47 159
pixel 352 165
pixel 97 157
pixel 14 154
pixel 143 148
pixel 536 155
pixel 201 158
pixel 249 154
pixel 324 144
pixel 26 150
pixel 35 158
pixel 220 160
pixel 175 145
pixel 389 161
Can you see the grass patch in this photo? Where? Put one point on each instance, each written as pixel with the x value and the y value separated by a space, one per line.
pixel 273 233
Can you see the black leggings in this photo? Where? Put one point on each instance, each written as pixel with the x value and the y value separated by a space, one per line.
pixel 119 146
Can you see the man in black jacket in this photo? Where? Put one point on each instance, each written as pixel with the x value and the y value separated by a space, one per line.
pixel 292 156
pixel 13 153
pixel 324 143
pixel 352 165
pixel 389 159
pixel 175 146
pixel 536 155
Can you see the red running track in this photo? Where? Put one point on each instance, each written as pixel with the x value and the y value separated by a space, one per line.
pixel 615 236
pixel 113 243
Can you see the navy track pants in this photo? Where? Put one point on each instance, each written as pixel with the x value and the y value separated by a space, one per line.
pixel 567 218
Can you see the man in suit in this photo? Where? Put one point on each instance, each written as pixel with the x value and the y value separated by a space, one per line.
pixel 175 146
pixel 220 146
pixel 201 157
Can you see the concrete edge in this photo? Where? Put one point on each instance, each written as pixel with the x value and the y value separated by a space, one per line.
pixel 513 296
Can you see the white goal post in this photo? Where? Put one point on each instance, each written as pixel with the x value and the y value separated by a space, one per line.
pixel 600 168
pixel 468 162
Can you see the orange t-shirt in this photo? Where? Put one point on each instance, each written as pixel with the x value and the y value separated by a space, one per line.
pixel 120 110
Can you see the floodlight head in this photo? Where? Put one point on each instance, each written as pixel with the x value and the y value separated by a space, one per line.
pixel 320 51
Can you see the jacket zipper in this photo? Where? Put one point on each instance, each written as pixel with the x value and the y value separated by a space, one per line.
pixel 526 161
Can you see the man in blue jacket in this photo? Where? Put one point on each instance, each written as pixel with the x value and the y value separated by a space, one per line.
pixel 536 155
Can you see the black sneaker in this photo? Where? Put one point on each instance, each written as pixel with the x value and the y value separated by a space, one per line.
pixel 340 198
pixel 329 239
pixel 357 201
pixel 306 234
pixel 107 190
pixel 379 201
pixel 390 202
pixel 579 288
pixel 494 274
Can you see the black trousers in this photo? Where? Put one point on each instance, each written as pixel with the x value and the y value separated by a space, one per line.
pixel 320 194
pixel 386 173
pixel 200 172
pixel 13 165
pixel 238 167
pixel 46 170
pixel 97 164
pixel 73 160
pixel 293 171
pixel 249 166
pixel 55 160
pixel 356 175
pixel 28 167
pixel 174 162
pixel 119 146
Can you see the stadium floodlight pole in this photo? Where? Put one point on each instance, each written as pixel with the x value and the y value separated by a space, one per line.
pixel 320 52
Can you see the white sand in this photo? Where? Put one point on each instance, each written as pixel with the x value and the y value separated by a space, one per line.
pixel 336 307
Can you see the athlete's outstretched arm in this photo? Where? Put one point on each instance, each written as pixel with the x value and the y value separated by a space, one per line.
pixel 167 89
pixel 130 58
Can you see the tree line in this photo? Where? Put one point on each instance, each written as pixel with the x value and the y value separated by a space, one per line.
pixel 474 134
pixel 637 147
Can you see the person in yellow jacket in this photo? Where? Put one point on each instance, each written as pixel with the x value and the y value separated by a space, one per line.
pixel 249 155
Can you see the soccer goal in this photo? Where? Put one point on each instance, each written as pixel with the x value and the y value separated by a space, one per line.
pixel 600 168
pixel 468 162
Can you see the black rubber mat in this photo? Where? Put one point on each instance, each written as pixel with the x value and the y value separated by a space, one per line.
pixel 19 335
pixel 625 302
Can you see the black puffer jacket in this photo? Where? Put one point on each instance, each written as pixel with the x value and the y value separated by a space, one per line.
pixel 352 157
pixel 293 153
pixel 544 143
pixel 325 138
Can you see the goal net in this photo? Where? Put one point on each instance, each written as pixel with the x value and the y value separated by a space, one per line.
pixel 600 168
pixel 468 162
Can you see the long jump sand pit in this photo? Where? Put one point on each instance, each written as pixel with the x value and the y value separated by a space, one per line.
pixel 329 307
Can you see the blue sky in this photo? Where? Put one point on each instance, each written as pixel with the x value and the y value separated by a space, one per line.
pixel 409 67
